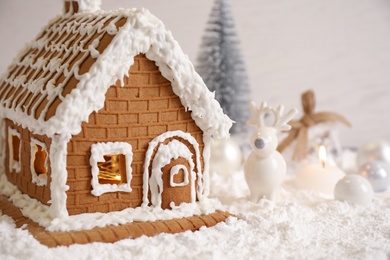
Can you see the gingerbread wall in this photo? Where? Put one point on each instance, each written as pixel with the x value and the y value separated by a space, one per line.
pixel 23 179
pixel 135 113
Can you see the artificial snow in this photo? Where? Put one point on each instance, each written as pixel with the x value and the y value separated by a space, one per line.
pixel 299 225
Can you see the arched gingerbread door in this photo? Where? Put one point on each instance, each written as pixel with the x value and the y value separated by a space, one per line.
pixel 172 172
pixel 176 178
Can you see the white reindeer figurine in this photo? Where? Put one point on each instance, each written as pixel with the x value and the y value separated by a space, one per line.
pixel 265 167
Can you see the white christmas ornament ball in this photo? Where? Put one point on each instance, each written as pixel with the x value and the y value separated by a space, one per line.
pixel 226 157
pixel 377 173
pixel 354 189
pixel 374 151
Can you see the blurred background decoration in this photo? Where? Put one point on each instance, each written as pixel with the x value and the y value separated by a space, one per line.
pixel 340 49
pixel 222 68
pixel 313 130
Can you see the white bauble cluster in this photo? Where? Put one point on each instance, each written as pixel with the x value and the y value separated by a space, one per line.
pixel 354 189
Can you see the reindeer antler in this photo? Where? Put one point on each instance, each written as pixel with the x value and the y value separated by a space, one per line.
pixel 281 121
pixel 258 114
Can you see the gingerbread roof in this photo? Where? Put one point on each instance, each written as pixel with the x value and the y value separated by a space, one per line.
pixel 62 76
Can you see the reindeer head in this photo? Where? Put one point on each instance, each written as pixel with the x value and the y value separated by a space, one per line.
pixel 264 139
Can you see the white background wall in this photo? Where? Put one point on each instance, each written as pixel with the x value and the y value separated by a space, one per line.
pixel 339 48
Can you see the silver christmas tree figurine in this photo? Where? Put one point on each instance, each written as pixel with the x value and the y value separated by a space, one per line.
pixel 222 68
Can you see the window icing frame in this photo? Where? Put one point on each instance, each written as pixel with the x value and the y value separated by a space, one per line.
pixel 41 179
pixel 98 150
pixel 13 164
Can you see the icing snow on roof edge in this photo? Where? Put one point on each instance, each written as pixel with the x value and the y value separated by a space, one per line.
pixel 89 5
pixel 142 33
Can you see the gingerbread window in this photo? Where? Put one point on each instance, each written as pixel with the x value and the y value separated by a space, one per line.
pixel 14 148
pixel 39 162
pixel 181 174
pixel 111 167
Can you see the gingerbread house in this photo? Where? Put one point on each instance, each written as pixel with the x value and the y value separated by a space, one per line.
pixel 104 112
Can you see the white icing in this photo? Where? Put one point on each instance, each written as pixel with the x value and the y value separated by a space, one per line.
pixel 2 148
pixel 39 213
pixel 56 218
pixel 207 139
pixel 38 179
pixel 165 153
pixel 30 207
pixel 59 176
pixel 91 220
pixel 13 164
pixel 142 33
pixel 98 150
pixel 148 158
pixel 89 5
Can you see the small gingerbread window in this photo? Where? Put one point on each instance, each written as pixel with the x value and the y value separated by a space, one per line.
pixel 111 167
pixel 39 162
pixel 179 176
pixel 14 148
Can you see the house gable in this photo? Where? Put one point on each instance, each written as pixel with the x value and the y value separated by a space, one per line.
pixel 137 112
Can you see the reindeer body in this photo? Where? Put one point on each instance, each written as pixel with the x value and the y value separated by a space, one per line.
pixel 264 175
pixel 265 167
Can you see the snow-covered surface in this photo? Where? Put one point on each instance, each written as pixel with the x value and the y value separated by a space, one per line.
pixel 339 48
pixel 299 225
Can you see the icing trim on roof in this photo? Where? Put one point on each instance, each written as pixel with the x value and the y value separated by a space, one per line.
pixel 141 33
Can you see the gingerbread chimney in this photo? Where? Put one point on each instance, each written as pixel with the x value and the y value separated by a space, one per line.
pixel 71 6
pixel 75 6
